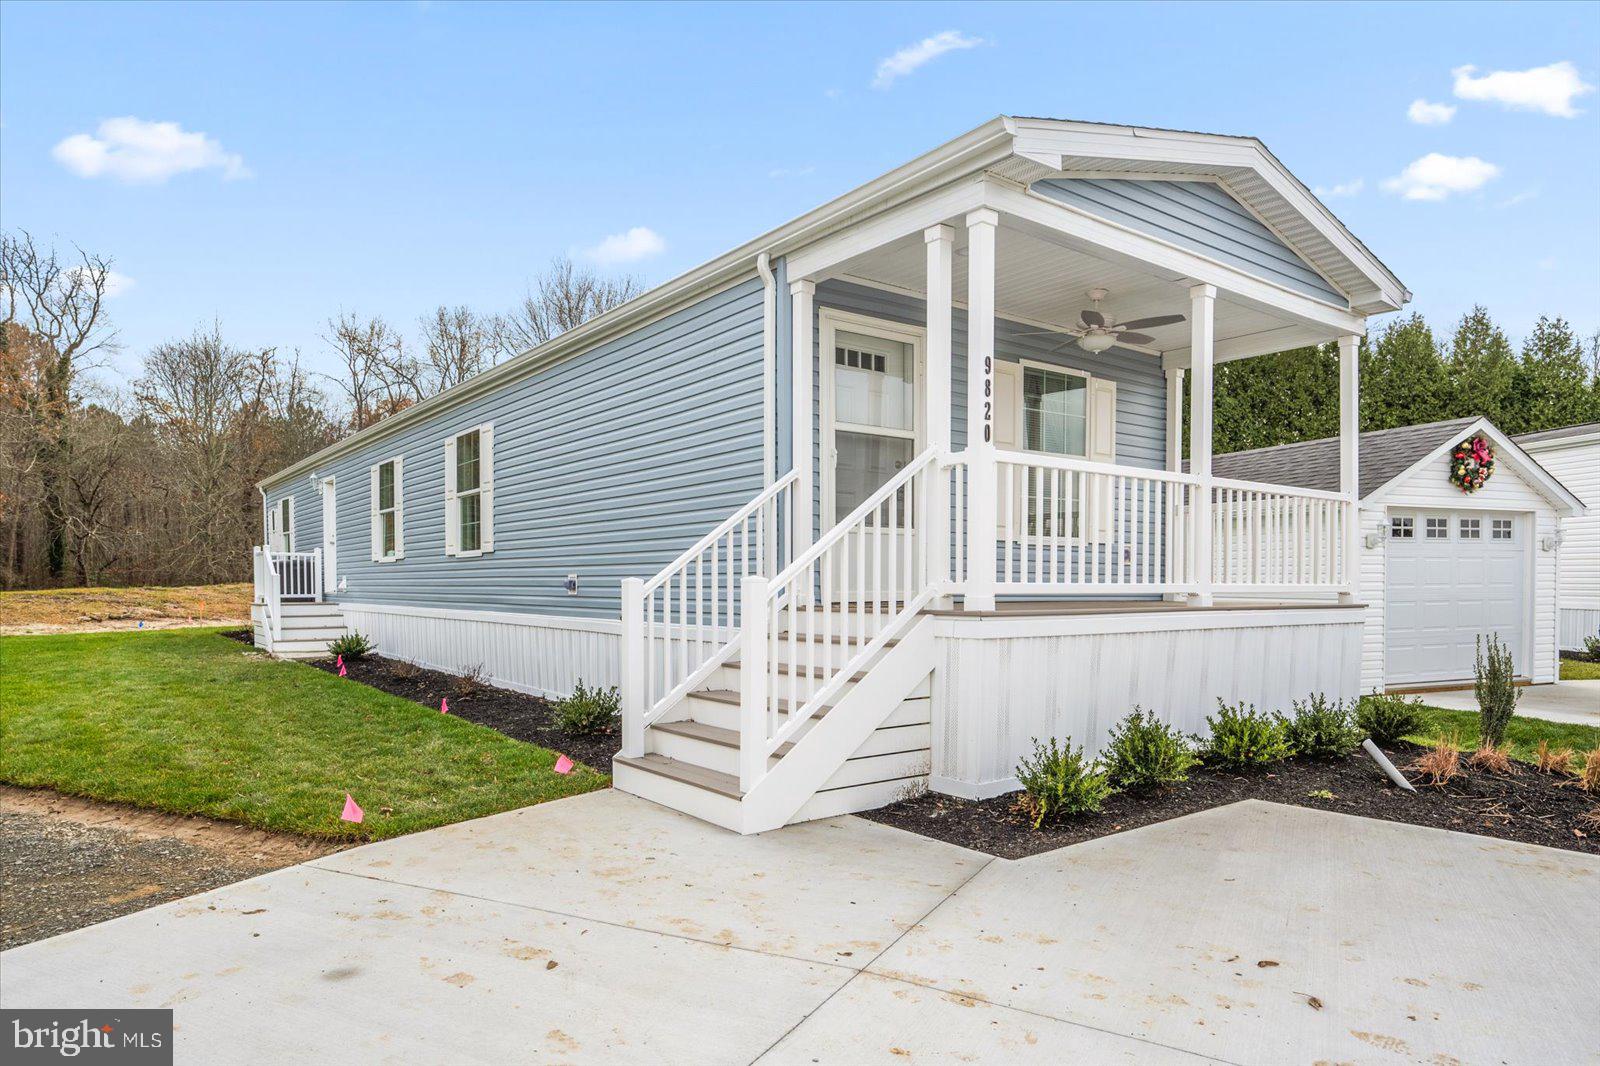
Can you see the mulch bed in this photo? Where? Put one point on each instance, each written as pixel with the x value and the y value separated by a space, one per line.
pixel 517 715
pixel 1527 806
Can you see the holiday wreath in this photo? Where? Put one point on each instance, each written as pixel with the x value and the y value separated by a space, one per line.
pixel 1471 463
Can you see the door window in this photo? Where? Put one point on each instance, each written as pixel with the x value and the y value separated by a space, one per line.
pixel 874 414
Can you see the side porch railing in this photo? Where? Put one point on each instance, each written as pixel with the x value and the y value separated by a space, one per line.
pixel 281 576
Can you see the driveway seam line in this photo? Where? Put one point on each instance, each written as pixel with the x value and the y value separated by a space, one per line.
pixel 887 947
pixel 587 918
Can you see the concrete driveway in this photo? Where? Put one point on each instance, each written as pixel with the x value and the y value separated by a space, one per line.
pixel 605 929
pixel 1564 701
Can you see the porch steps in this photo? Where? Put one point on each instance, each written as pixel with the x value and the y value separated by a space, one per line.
pixel 304 630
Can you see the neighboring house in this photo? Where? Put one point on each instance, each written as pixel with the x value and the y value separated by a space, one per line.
pixel 1572 454
pixel 865 504
pixel 1440 567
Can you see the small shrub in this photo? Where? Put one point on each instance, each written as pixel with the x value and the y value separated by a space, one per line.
pixel 1495 689
pixel 1591 648
pixel 1244 739
pixel 1144 752
pixel 589 710
pixel 472 680
pixel 1389 718
pixel 1440 763
pixel 404 669
pixel 1589 772
pixel 1553 760
pixel 1058 782
pixel 1494 760
pixel 1321 729
pixel 352 646
pixel 1320 794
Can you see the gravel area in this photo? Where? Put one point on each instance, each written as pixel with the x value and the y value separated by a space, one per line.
pixel 66 863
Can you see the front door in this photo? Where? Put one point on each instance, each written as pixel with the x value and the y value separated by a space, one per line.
pixel 872 426
pixel 330 535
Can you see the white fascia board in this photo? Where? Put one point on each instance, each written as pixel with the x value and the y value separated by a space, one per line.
pixel 1568 505
pixel 1109 239
pixel 1247 346
pixel 1056 144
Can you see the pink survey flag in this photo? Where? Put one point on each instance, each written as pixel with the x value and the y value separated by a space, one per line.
pixel 341 670
pixel 341 658
pixel 444 706
pixel 563 765
pixel 352 810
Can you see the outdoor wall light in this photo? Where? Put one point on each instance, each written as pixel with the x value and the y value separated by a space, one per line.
pixel 1372 540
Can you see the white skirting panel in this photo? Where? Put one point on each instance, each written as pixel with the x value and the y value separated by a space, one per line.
pixel 1000 687
pixel 545 655
pixel 1576 624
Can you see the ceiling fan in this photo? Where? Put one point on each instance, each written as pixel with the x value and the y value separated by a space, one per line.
pixel 1095 334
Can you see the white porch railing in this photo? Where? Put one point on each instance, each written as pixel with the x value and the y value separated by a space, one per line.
pixel 267 591
pixel 831 612
pixel 683 623
pixel 1073 525
pixel 283 576
pixel 1275 538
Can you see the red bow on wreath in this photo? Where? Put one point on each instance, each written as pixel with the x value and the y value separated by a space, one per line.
pixel 1471 463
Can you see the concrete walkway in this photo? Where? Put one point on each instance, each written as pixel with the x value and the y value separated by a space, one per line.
pixel 605 929
pixel 1564 701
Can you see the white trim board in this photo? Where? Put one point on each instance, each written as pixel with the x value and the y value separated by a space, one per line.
pixel 541 621
pixel 1176 620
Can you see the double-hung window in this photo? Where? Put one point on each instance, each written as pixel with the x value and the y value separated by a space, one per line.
pixel 1055 421
pixel 388 511
pixel 280 526
pixel 469 492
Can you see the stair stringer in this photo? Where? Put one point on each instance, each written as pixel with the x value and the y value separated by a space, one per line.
pixel 831 741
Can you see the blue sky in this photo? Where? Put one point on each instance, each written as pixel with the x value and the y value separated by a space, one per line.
pixel 388 158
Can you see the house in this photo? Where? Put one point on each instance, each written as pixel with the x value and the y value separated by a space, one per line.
pixel 1440 566
pixel 866 503
pixel 1573 455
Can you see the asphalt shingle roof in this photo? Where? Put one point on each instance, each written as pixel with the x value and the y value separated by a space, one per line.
pixel 1314 464
pixel 1557 434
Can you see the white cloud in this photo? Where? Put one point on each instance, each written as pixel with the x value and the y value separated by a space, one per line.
pixel 1435 176
pixel 1520 198
pixel 791 172
pixel 132 150
pixel 640 242
pixel 1549 89
pixel 913 56
pixel 1424 113
pixel 1343 188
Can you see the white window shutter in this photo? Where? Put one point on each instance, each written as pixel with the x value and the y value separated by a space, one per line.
pixel 486 480
pixel 1008 406
pixel 452 519
pixel 399 509
pixel 272 527
pixel 376 518
pixel 1102 448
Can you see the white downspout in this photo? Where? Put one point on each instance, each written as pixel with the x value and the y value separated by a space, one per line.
pixel 769 364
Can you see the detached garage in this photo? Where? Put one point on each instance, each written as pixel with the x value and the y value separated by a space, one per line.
pixel 1459 539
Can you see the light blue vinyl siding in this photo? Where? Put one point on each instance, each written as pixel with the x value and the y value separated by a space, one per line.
pixel 607 464
pixel 1199 216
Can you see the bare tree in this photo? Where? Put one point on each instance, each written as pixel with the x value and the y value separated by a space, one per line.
pixel 459 343
pixel 562 297
pixel 374 381
pixel 54 313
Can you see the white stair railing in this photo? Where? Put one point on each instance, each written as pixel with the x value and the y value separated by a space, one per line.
pixel 268 593
pixel 1071 524
pixel 299 574
pixel 859 586
pixel 683 623
pixel 1277 537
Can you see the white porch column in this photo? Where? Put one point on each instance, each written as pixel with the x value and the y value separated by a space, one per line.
pixel 1174 419
pixel 941 247
pixel 1202 317
pixel 981 479
pixel 1350 459
pixel 802 297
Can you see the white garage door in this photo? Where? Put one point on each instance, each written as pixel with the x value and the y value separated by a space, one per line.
pixel 1452 575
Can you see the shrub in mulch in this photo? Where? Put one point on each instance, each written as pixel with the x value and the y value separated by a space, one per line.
pixel 517 715
pixel 1529 807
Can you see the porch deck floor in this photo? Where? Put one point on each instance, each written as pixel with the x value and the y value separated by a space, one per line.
pixel 1037 608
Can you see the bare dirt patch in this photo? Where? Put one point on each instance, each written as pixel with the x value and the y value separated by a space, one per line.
pixel 40 611
pixel 67 862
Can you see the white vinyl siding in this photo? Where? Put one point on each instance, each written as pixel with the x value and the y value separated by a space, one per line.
pixel 388 510
pixel 469 492
pixel 1575 462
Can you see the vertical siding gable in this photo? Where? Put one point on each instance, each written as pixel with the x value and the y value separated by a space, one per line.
pixel 1200 216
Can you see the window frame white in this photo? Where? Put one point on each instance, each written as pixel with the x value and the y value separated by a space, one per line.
pixel 1464 531
pixel 1435 527
pixel 280 525
pixel 1024 366
pixel 1503 529
pixel 1405 522
pixel 376 511
pixel 484 490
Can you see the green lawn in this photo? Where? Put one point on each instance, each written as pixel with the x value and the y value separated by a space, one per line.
pixel 1522 733
pixel 1573 670
pixel 191 722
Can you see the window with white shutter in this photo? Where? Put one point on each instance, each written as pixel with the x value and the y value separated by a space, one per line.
pixel 388 510
pixel 469 492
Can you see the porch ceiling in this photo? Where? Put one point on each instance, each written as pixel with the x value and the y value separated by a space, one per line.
pixel 1040 280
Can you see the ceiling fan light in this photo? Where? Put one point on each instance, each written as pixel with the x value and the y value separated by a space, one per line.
pixel 1096 342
